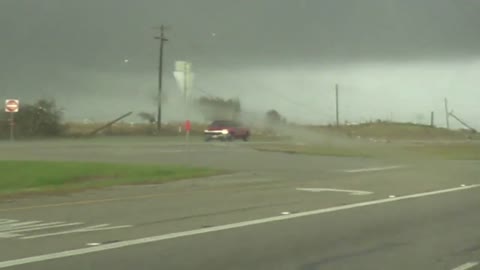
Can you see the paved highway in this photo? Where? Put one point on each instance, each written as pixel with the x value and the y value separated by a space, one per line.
pixel 276 211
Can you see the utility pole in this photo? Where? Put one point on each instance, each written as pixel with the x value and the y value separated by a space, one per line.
pixel 462 122
pixel 432 119
pixel 447 114
pixel 336 105
pixel 162 39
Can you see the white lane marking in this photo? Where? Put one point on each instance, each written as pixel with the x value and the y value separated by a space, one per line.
pixel 41 225
pixel 13 226
pixel 374 169
pixel 352 192
pixel 101 227
pixel 10 228
pixel 7 221
pixel 15 233
pixel 93 244
pixel 87 250
pixel 466 266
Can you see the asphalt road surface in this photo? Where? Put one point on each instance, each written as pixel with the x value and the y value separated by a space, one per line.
pixel 276 211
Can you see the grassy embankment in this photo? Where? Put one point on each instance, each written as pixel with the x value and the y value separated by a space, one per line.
pixel 27 177
pixel 454 151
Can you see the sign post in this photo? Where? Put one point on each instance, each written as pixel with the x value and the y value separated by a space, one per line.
pixel 12 106
pixel 12 127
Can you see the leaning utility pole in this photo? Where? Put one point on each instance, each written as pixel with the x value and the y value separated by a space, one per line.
pixel 447 114
pixel 162 39
pixel 462 122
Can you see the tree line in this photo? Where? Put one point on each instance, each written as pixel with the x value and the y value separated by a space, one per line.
pixel 44 118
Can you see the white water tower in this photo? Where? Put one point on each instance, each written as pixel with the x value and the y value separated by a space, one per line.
pixel 184 77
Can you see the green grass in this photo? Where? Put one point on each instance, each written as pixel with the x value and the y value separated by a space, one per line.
pixel 42 176
pixel 396 131
pixel 434 151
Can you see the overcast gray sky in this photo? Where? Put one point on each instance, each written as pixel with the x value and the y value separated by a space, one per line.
pixel 392 58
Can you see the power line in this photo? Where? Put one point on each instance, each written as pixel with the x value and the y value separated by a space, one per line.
pixel 203 91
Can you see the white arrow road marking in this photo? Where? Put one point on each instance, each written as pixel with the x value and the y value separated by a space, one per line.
pixel 374 169
pixel 101 227
pixel 352 192
pixel 46 226
pixel 466 266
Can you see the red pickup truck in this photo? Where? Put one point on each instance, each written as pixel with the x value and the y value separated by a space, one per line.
pixel 226 130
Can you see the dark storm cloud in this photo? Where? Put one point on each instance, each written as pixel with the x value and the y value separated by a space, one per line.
pixel 98 33
pixel 75 50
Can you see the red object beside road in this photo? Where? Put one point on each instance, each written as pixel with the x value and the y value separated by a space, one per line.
pixel 188 126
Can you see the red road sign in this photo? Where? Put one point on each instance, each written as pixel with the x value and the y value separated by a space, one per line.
pixel 12 105
pixel 188 126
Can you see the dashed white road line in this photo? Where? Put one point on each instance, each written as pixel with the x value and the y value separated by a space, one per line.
pixel 152 239
pixel 466 266
pixel 374 169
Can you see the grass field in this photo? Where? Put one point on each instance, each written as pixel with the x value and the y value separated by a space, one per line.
pixel 395 131
pixel 41 176
pixel 434 151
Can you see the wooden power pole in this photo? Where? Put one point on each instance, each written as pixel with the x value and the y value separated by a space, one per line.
pixel 162 39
